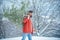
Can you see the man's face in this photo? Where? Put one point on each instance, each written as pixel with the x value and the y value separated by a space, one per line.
pixel 30 14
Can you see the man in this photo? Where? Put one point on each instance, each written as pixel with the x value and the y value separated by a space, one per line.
pixel 27 26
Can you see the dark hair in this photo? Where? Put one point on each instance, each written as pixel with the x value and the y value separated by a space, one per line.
pixel 30 11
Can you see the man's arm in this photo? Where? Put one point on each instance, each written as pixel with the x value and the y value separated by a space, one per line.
pixel 25 19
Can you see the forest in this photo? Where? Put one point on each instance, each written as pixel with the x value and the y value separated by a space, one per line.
pixel 46 17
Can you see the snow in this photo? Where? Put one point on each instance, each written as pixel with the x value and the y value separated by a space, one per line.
pixel 33 38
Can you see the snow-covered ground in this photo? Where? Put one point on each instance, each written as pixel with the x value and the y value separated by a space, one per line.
pixel 33 38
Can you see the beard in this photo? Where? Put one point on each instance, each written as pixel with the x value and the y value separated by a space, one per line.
pixel 31 16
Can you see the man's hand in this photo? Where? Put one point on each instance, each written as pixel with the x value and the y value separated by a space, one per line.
pixel 28 16
pixel 34 31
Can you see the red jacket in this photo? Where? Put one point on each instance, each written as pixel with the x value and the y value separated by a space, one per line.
pixel 27 27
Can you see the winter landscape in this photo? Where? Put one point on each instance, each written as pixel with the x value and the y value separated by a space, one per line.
pixel 46 19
